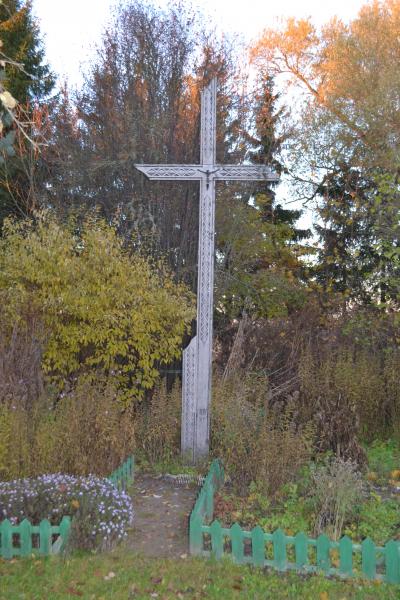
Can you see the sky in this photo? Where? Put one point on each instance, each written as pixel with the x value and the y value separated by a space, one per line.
pixel 71 28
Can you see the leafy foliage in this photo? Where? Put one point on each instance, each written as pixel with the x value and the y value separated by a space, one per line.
pixel 258 244
pixel 103 308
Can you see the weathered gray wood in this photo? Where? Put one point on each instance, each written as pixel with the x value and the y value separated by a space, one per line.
pixel 189 393
pixel 196 389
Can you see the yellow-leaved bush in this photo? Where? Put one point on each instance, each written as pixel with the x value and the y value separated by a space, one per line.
pixel 104 307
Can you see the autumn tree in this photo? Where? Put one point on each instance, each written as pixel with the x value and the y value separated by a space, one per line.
pixel 348 126
pixel 104 309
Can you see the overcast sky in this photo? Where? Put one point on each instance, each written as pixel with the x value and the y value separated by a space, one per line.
pixel 71 27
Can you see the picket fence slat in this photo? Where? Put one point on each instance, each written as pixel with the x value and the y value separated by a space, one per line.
pixel 122 477
pixel 346 556
pixel 368 557
pixel 26 538
pixel 6 539
pixel 217 543
pixel 323 547
pixel 237 543
pixel 392 562
pixel 300 547
pixel 279 543
pixel 258 546
pixel 341 562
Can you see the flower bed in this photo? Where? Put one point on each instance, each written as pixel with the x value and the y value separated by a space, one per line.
pixel 31 510
pixel 101 513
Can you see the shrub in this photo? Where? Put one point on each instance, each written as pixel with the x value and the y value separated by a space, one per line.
pixel 158 425
pixel 353 395
pixel 15 442
pixel 101 512
pixel 93 427
pixel 328 396
pixel 88 430
pixel 336 490
pixel 257 443
pixel 103 308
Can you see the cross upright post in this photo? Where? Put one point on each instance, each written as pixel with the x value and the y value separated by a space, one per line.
pixel 197 371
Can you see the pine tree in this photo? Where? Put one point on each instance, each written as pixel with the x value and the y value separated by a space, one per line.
pixel 347 257
pixel 30 82
pixel 267 144
pixel 22 43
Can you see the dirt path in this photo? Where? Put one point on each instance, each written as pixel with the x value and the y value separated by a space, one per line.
pixel 162 508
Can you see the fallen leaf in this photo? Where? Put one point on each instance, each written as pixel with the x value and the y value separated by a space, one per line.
pixel 74 592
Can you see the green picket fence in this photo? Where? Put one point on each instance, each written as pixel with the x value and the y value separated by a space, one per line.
pixel 26 539
pixel 44 539
pixel 283 552
pixel 122 477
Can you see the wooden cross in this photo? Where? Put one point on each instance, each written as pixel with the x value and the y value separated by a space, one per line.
pixel 196 381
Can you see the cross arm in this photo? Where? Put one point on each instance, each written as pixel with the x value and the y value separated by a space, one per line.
pixel 170 172
pixel 246 173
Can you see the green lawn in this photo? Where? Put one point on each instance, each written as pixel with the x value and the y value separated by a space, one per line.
pixel 120 576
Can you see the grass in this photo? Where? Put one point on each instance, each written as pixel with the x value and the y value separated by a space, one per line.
pixel 125 576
